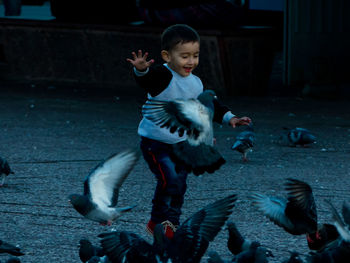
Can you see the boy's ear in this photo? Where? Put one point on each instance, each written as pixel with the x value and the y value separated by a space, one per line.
pixel 165 55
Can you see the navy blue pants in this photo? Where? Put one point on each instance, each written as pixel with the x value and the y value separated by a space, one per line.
pixel 171 183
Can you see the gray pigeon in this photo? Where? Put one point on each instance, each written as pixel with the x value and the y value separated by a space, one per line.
pixel 5 170
pixel 297 136
pixel 101 188
pixel 10 249
pixel 244 142
pixel 297 214
pixel 192 118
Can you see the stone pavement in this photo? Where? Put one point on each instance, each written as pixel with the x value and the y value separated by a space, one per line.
pixel 52 139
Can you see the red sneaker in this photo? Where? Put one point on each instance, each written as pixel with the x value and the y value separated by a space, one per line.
pixel 169 228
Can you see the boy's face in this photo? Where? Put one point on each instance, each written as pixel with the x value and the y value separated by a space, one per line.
pixel 184 58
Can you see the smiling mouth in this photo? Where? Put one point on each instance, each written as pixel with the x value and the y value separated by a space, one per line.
pixel 188 69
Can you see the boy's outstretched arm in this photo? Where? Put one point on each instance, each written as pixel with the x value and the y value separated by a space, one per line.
pixel 139 60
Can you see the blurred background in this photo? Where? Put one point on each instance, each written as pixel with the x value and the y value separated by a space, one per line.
pixel 253 48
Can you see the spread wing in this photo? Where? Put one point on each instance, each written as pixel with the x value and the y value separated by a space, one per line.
pixel 193 236
pixel 126 247
pixel 273 208
pixel 181 116
pixel 103 183
pixel 300 195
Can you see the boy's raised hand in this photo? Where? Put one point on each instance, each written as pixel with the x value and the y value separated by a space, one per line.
pixel 139 61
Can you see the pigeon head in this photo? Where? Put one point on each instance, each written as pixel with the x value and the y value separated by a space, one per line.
pixel 80 203
pixel 84 242
pixel 207 97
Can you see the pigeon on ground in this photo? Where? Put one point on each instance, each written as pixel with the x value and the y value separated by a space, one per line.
pixel 236 243
pixel 297 136
pixel 87 250
pixel 5 170
pixel 255 254
pixel 101 189
pixel 192 118
pixel 294 258
pixel 189 243
pixel 10 249
pixel 297 214
pixel 244 142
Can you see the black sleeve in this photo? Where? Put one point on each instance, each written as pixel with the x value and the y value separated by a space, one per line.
pixel 219 111
pixel 156 80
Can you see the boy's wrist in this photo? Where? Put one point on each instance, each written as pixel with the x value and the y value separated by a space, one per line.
pixel 228 116
pixel 140 73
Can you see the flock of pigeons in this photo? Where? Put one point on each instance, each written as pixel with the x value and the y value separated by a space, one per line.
pixel 296 213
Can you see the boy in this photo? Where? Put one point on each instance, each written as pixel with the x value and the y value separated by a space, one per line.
pixel 180 46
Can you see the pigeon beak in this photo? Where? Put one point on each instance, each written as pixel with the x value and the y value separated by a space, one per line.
pixel 215 97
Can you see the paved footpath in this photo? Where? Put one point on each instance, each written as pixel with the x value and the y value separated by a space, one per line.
pixel 53 139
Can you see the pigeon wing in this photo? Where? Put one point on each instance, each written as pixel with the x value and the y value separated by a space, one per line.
pixel 342 228
pixel 178 115
pixel 193 236
pixel 346 213
pixel 103 183
pixel 300 195
pixel 273 208
pixel 125 246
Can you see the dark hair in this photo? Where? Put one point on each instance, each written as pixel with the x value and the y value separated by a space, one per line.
pixel 179 33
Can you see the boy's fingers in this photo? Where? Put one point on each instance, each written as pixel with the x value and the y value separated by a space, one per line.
pixel 134 55
pixel 139 53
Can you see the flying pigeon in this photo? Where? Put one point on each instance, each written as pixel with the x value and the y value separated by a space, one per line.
pixel 87 250
pixel 192 118
pixel 5 170
pixel 10 249
pixel 244 142
pixel 101 189
pixel 189 243
pixel 297 214
pixel 297 136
